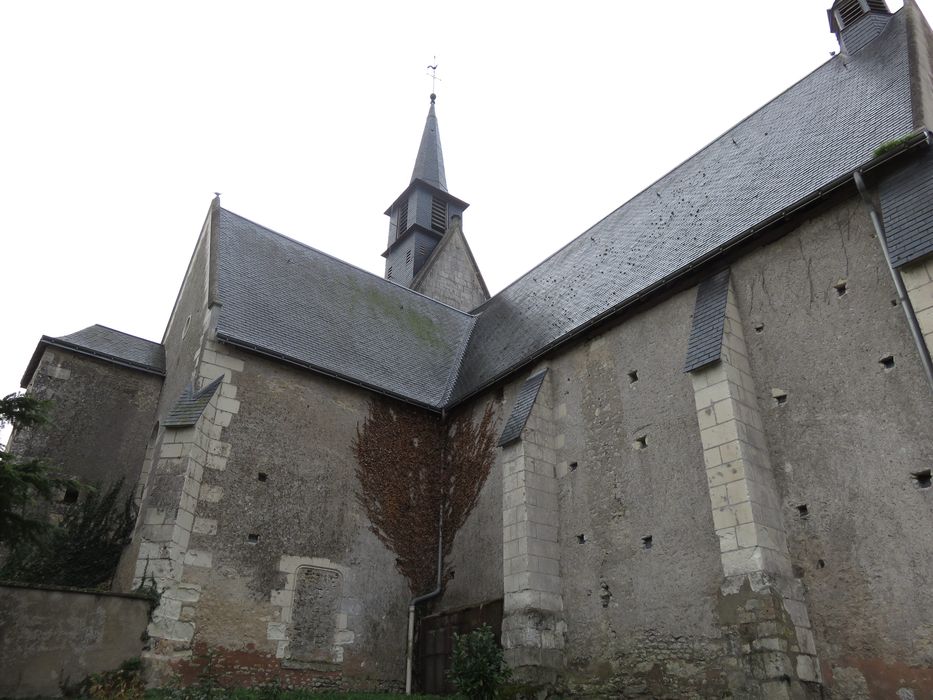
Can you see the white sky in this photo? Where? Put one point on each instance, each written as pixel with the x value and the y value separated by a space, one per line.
pixel 121 119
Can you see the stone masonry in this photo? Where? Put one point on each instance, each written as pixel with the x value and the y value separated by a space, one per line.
pixel 451 275
pixel 918 278
pixel 180 480
pixel 533 629
pixel 762 605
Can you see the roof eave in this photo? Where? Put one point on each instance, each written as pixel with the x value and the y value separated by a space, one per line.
pixel 434 190
pixel 47 341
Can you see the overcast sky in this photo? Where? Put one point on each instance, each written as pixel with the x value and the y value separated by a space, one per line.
pixel 121 119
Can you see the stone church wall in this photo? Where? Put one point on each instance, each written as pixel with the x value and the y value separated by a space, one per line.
pixel 289 575
pixel 639 557
pixel 847 434
pixel 848 442
pixel 100 417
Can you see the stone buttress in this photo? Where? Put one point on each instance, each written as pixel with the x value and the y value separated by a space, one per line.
pixel 533 628
pixel 762 605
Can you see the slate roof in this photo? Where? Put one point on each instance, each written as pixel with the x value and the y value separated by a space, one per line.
pixel 709 319
pixel 524 402
pixel 907 211
pixel 822 128
pixel 105 344
pixel 191 404
pixel 284 299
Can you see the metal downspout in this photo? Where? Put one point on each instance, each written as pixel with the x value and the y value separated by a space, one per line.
pixel 896 276
pixel 422 598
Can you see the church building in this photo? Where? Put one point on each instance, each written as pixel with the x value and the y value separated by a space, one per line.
pixel 687 456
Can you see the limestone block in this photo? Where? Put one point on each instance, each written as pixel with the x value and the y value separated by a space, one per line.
pixel 228 405
pixel 223 360
pixel 728 540
pixel 808 669
pixel 199 557
pixel 209 372
pixel 172 450
pixel 172 630
pixel 277 631
pixel 210 493
pixel 706 417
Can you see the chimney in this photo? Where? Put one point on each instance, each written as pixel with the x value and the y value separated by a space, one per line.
pixel 857 22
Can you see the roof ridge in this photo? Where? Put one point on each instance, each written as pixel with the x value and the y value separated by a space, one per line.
pixel 346 264
pixel 101 325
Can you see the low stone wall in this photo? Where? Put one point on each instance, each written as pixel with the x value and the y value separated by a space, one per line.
pixel 55 636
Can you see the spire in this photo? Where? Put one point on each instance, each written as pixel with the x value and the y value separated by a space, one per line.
pixel 420 217
pixel 429 165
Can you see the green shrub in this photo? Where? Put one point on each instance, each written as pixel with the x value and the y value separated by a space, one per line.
pixel 477 667
pixel 85 550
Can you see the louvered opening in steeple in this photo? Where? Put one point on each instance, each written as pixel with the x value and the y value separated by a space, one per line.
pixel 856 22
pixel 438 214
pixel 402 219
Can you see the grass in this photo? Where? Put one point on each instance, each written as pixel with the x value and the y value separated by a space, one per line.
pixel 268 694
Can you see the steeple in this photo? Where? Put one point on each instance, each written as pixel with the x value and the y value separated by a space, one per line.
pixel 422 214
pixel 429 165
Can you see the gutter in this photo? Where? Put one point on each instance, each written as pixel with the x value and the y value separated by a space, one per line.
pixel 902 295
pixel 420 599
pixel 921 137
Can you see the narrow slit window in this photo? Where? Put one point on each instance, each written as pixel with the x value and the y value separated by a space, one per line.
pixel 581 538
pixel 70 496
pixel 633 376
pixel 647 542
pixel 924 478
pixel 803 511
pixel 841 288
pixel 887 362
pixel 641 442
pixel 573 466
pixel 252 538
pixel 262 476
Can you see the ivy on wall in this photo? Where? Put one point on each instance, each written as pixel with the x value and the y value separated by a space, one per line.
pixel 410 464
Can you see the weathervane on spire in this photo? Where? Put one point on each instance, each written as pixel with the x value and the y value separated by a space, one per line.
pixel 434 78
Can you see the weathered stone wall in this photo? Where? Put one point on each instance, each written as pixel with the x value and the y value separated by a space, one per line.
pixel 100 417
pixel 639 556
pixel 54 637
pixel 847 430
pixel 275 514
pixel 451 275
pixel 844 442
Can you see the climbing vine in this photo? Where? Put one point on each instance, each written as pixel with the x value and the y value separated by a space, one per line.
pixel 410 464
